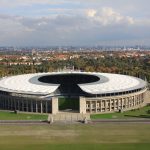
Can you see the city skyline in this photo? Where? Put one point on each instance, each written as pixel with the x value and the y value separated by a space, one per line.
pixel 74 23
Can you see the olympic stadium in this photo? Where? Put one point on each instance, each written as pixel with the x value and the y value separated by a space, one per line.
pixel 83 92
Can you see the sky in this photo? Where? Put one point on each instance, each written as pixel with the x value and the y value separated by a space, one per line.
pixel 74 22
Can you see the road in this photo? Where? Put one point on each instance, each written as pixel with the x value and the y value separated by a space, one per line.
pixel 23 122
pixel 121 121
pixel 40 122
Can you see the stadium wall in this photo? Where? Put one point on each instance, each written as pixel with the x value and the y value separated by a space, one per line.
pixel 86 104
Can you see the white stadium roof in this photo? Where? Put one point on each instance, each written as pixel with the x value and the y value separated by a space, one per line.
pixel 108 83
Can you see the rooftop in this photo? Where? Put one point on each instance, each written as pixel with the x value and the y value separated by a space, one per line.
pixel 108 83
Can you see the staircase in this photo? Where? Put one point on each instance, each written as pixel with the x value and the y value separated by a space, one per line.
pixel 69 117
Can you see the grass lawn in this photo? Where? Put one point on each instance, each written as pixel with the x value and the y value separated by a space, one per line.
pixel 138 113
pixel 76 137
pixel 20 116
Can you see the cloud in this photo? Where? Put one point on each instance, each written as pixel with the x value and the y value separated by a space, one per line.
pixel 107 16
pixel 91 13
pixel 17 3
pixel 89 27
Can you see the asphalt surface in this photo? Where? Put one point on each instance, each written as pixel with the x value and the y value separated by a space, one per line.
pixel 121 121
pixel 40 122
pixel 23 122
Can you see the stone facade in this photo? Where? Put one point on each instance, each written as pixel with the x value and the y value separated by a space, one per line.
pixel 25 104
pixel 115 103
pixel 86 105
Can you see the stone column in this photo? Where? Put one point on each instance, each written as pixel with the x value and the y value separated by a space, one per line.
pixel 41 107
pixel 46 107
pixel 101 102
pixel 36 107
pixel 8 103
pixel 110 105
pixel 31 103
pixel 22 104
pixel 96 106
pixel 54 105
pixel 134 101
pixel 105 105
pixel 91 103
pixel 15 106
pixel 11 103
pixel 18 107
pixel 139 98
pixel 122 101
pixel 118 102
pixel 82 106
pixel 114 104
pixel 145 95
pixel 128 102
pixel 27 109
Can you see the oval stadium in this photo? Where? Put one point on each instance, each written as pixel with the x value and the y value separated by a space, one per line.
pixel 81 92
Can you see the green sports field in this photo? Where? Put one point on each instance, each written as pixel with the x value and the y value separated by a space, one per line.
pixel 76 137
pixel 68 103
